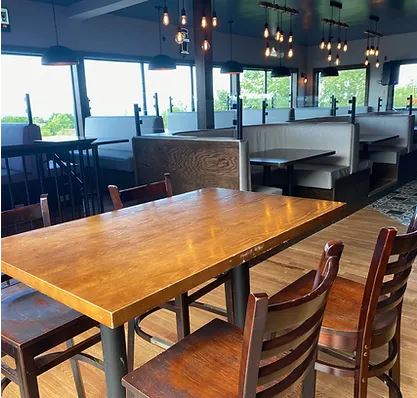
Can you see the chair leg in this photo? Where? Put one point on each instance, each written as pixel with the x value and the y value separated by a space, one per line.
pixel 309 384
pixel 394 372
pixel 182 313
pixel 130 345
pixel 75 368
pixel 27 376
pixel 229 301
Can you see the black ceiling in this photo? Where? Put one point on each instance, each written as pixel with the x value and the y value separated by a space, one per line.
pixel 397 16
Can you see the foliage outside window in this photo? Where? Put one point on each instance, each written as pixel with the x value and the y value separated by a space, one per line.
pixel 279 91
pixel 349 83
pixel 50 90
pixel 407 84
pixel 252 88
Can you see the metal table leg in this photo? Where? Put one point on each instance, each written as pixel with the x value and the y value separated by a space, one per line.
pixel 240 292
pixel 98 182
pixel 115 360
pixel 266 174
pixel 290 179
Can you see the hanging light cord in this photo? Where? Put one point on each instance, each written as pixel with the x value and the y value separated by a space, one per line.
pixel 231 38
pixel 55 26
pixel 158 8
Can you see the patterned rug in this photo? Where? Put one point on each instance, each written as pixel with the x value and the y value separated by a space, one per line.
pixel 399 204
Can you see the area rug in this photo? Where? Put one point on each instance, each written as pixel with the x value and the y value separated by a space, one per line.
pixel 399 204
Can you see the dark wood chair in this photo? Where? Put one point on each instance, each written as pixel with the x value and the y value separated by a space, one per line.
pixel 362 317
pixel 271 357
pixel 32 323
pixel 180 306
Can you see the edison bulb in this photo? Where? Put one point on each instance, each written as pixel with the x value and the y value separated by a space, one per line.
pixel 290 38
pixel 179 37
pixel 290 52
pixel 165 17
pixel 203 22
pixel 267 51
pixel 322 44
pixel 377 63
pixel 377 51
pixel 206 45
pixel 183 17
pixel 214 21
pixel 337 61
pixel 281 37
pixel 367 51
pixel 366 61
pixel 329 56
pixel 277 35
pixel 345 46
pixel 266 31
pixel 305 81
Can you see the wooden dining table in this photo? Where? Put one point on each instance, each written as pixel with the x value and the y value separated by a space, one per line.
pixel 115 266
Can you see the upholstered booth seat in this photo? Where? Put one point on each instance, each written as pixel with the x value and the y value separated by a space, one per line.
pixel 319 175
pixel 267 190
pixel 390 155
pixel 116 159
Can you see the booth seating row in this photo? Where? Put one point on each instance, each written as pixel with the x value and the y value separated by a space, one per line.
pixel 19 134
pixel 187 121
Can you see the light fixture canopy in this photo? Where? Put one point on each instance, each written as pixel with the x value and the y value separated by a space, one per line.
pixel 280 71
pixel 330 71
pixel 58 55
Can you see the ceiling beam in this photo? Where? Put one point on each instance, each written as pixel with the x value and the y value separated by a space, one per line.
pixel 86 9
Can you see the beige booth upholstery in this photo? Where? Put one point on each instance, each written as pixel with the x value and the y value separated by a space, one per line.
pixel 119 156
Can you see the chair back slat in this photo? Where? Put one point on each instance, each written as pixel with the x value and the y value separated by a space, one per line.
pixel 140 194
pixel 280 338
pixel 26 217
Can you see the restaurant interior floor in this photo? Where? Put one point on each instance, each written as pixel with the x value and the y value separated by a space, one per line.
pixel 358 231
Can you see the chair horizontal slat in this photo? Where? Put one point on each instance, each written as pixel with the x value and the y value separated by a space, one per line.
pixel 405 243
pixel 396 267
pixel 395 284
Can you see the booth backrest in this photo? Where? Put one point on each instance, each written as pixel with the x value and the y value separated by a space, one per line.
pixel 211 133
pixel 20 134
pixel 340 137
pixel 187 121
pixel 389 124
pixel 192 162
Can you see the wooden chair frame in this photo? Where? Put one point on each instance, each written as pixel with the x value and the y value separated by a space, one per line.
pixel 30 358
pixel 381 296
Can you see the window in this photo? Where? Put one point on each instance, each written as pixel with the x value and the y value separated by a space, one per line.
pixel 50 90
pixel 252 88
pixel 174 83
pixel 407 84
pixel 279 91
pixel 349 83
pixel 221 90
pixel 113 87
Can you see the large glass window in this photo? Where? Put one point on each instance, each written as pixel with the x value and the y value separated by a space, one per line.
pixel 279 91
pixel 50 90
pixel 349 83
pixel 407 84
pixel 221 90
pixel 113 87
pixel 174 83
pixel 252 88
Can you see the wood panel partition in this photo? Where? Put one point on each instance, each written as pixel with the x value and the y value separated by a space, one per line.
pixel 192 163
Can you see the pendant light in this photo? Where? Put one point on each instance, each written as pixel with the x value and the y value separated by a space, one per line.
pixel 323 41
pixel 161 61
pixel 266 26
pixel 58 55
pixel 290 35
pixel 214 19
pixel 179 36
pixel 183 15
pixel 231 67
pixel 165 15
pixel 280 71
pixel 330 71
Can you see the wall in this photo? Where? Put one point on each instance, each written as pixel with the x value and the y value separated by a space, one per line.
pixel 395 47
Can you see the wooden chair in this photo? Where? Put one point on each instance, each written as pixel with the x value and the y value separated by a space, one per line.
pixel 180 306
pixel 33 324
pixel 271 357
pixel 362 317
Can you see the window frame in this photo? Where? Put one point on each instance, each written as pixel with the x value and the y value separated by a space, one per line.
pixel 391 93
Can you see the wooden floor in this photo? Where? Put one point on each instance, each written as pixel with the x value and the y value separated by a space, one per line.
pixel 358 232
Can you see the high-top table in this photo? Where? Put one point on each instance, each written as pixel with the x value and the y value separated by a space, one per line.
pixel 115 266
pixel 285 157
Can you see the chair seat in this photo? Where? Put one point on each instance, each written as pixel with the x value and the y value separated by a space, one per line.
pixel 341 318
pixel 28 317
pixel 203 364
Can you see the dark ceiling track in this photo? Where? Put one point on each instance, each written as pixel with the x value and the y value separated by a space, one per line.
pixel 371 32
pixel 334 22
pixel 277 7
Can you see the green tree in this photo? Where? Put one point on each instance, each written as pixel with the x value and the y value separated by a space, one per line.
pixel 14 119
pixel 252 90
pixel 349 83
pixel 401 93
pixel 279 88
pixel 221 101
pixel 58 124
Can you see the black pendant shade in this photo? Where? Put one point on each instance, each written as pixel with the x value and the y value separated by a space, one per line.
pixel 330 71
pixel 162 62
pixel 280 71
pixel 59 55
pixel 231 68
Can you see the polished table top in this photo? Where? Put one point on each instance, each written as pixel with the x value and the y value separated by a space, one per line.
pixel 117 265
pixel 286 156
pixel 63 140
pixel 376 138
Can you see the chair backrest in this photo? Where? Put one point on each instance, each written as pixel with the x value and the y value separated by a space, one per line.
pixel 280 340
pixel 25 217
pixel 386 283
pixel 140 194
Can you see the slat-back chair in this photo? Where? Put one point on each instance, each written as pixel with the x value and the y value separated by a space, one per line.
pixel 32 323
pixel 271 357
pixel 379 320
pixel 142 194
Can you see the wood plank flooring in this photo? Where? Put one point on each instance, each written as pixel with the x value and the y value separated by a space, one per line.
pixel 358 232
